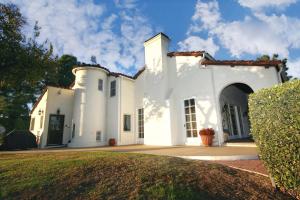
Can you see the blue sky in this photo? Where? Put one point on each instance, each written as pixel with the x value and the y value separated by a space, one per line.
pixel 114 30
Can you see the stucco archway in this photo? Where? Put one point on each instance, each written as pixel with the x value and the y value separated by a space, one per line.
pixel 233 102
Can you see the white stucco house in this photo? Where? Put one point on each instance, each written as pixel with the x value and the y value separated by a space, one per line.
pixel 166 103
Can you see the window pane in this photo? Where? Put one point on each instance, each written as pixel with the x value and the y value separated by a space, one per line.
pixel 192 102
pixel 32 124
pixel 188 118
pixel 187 110
pixel 188 133
pixel 193 110
pixel 113 88
pixel 127 123
pixel 193 117
pixel 186 103
pixel 194 133
pixel 194 125
pixel 100 84
pixel 41 121
pixel 188 126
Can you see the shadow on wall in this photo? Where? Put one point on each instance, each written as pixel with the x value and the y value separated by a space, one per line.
pixel 153 107
pixel 206 113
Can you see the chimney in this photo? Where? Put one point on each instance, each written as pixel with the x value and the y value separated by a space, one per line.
pixel 156 49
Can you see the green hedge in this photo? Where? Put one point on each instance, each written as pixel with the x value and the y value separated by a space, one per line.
pixel 275 126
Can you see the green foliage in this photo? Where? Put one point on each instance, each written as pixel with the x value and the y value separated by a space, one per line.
pixel 65 66
pixel 275 125
pixel 284 75
pixel 25 68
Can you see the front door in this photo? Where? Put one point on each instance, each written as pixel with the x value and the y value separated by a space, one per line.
pixel 190 121
pixel 56 129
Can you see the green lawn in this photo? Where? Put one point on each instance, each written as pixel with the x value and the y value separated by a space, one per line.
pixel 105 175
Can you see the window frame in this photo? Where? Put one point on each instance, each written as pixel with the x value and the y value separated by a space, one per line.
pixel 32 123
pixel 141 123
pixel 190 117
pixel 100 84
pixel 98 136
pixel 113 90
pixel 126 129
pixel 41 121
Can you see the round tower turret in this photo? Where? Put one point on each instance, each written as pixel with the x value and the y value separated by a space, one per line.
pixel 89 110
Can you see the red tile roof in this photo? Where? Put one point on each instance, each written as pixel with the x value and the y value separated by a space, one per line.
pixel 243 62
pixel 116 74
pixel 186 53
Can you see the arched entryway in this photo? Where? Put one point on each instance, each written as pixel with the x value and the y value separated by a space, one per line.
pixel 234 111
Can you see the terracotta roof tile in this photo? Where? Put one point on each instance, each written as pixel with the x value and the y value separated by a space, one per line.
pixel 116 74
pixel 186 53
pixel 242 62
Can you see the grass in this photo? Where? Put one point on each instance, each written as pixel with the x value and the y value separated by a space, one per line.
pixel 108 175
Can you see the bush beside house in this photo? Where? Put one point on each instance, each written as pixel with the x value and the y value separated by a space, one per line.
pixel 18 139
pixel 275 125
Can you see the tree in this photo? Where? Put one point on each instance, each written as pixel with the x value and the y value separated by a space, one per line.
pixel 65 66
pixel 25 67
pixel 284 75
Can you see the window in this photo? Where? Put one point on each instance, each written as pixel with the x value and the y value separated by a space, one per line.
pixel 32 124
pixel 141 123
pixel 41 121
pixel 113 88
pixel 73 131
pixel 100 84
pixel 127 123
pixel 98 135
pixel 190 118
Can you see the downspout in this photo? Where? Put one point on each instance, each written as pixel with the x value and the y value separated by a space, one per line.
pixel 216 104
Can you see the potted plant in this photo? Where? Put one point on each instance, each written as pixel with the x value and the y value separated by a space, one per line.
pixel 207 136
pixel 112 142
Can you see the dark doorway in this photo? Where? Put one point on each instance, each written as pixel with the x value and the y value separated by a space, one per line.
pixel 234 111
pixel 55 129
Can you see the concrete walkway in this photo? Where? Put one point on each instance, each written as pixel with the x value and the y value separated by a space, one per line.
pixel 189 152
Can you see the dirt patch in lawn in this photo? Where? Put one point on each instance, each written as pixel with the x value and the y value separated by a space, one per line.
pixel 106 175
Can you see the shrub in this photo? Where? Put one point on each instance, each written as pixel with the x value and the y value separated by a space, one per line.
pixel 275 125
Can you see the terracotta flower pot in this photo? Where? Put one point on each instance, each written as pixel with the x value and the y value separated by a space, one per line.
pixel 207 136
pixel 207 140
pixel 112 142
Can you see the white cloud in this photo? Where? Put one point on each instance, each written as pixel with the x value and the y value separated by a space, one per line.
pixel 206 15
pixel 254 35
pixel 85 28
pixel 294 67
pixel 260 4
pixel 195 43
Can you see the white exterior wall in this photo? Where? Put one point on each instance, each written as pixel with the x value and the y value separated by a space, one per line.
pixel 156 101
pixel 54 99
pixel 127 101
pixel 161 90
pixel 89 112
pixel 113 110
pixel 38 131
pixel 188 79
pixel 139 88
